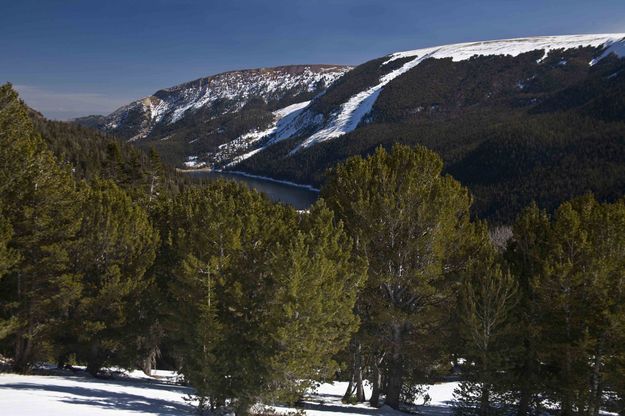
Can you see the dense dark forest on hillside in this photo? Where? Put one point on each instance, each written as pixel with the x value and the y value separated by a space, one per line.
pixel 107 258
pixel 512 129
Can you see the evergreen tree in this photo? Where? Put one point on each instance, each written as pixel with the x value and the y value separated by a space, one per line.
pixel 574 307
pixel 487 297
pixel 266 296
pixel 316 282
pixel 412 225
pixel 525 255
pixel 41 203
pixel 117 245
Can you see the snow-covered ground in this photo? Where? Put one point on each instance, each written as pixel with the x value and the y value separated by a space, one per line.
pixel 69 394
pixel 326 401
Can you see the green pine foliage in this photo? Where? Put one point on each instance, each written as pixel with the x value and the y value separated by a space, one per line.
pixel 571 270
pixel 486 301
pixel 41 202
pixel 412 224
pixel 117 244
pixel 265 303
pixel 7 256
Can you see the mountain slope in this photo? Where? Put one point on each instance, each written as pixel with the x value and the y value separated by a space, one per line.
pixel 198 116
pixel 519 120
pixel 530 119
pixel 346 116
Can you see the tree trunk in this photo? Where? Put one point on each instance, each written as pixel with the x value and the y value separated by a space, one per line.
pixel 242 407
pixel 567 402
pixel 484 400
pixel 395 376
pixel 525 385
pixel 23 353
pixel 93 367
pixel 376 384
pixel 394 383
pixel 95 361
pixel 595 383
pixel 350 386
pixel 62 360
pixel 360 391
pixel 148 363
pixel 350 389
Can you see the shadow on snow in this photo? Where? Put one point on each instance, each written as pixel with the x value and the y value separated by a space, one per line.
pixel 107 399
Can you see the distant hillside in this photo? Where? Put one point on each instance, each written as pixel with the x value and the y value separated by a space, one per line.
pixel 515 125
pixel 92 154
pixel 197 117
pixel 519 120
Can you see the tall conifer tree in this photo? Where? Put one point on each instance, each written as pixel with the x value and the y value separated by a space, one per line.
pixel 411 223
pixel 41 203
pixel 117 245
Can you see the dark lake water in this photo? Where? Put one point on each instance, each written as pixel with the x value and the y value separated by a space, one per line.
pixel 297 196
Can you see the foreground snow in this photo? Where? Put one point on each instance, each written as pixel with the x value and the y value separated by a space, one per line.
pixel 326 401
pixel 135 394
pixel 68 394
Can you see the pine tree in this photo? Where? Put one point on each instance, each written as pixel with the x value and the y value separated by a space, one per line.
pixel 572 273
pixel 266 296
pixel 41 203
pixel 486 298
pixel 117 245
pixel 525 256
pixel 411 224
pixel 317 281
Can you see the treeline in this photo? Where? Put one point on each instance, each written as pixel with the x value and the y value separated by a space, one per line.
pixel 387 278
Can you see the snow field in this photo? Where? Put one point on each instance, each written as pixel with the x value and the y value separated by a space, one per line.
pixel 68 394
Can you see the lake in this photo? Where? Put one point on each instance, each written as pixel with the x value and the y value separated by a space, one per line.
pixel 298 196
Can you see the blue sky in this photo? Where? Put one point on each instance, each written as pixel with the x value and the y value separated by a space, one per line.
pixel 77 57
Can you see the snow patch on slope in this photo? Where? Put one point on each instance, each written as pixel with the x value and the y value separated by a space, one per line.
pixel 231 151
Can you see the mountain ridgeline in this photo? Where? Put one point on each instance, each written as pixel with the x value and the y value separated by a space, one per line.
pixel 197 117
pixel 533 119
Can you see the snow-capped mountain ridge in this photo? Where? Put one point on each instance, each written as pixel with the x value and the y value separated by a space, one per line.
pixel 231 90
pixel 299 110
pixel 513 47
pixel 353 111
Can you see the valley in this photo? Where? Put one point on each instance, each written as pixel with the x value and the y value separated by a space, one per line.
pixel 543 102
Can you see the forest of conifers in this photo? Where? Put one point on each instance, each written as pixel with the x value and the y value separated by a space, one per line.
pixel 109 258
